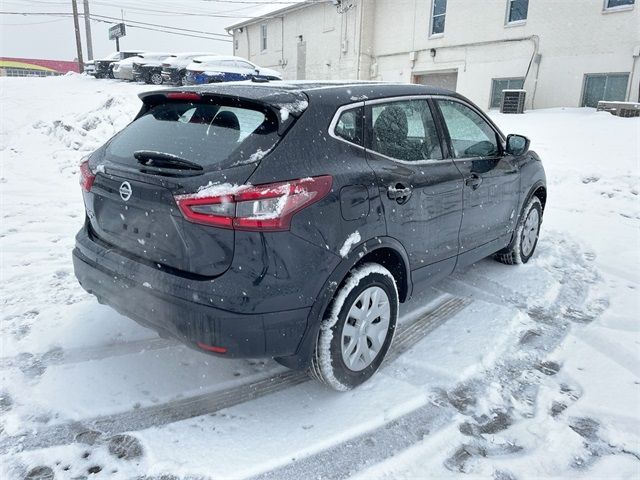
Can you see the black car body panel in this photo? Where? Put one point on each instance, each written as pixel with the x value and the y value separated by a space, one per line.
pixel 263 293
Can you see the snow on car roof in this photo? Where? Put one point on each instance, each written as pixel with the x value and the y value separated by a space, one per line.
pixel 217 58
pixel 154 54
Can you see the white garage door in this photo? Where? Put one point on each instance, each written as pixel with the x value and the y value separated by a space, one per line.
pixel 448 80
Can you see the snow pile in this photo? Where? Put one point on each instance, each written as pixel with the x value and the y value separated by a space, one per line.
pixel 350 242
pixel 87 131
pixel 295 108
pixel 537 376
pixel 218 190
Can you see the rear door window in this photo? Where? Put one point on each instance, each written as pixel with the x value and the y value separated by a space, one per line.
pixel 208 134
pixel 349 126
pixel 404 130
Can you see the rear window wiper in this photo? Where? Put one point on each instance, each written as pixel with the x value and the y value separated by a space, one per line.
pixel 164 160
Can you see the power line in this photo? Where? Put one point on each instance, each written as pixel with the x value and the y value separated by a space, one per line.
pixel 115 19
pixel 158 25
pixel 165 31
pixel 32 23
pixel 134 24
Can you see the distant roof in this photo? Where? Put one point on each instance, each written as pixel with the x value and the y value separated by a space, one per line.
pixel 60 66
pixel 274 10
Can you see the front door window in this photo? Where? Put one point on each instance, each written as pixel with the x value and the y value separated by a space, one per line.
pixel 471 136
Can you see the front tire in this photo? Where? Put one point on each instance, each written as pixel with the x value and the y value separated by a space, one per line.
pixel 526 236
pixel 156 79
pixel 357 333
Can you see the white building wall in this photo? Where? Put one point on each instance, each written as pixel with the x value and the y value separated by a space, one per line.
pixel 560 42
pixel 330 40
pixel 574 37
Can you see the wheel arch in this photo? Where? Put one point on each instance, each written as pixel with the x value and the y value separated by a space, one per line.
pixel 383 250
pixel 538 189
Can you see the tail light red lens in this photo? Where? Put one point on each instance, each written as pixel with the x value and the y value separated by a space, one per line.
pixel 188 96
pixel 258 208
pixel 86 176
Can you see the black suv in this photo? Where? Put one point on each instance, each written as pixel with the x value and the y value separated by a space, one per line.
pixel 288 220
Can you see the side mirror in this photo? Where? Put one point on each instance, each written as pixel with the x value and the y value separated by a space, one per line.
pixel 517 145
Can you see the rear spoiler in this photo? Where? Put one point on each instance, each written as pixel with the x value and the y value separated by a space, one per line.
pixel 288 106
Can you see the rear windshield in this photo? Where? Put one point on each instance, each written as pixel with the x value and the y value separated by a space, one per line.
pixel 209 134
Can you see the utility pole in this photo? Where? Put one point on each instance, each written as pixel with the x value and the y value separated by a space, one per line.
pixel 87 27
pixel 76 24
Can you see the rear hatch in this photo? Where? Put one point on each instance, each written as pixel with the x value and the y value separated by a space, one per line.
pixel 181 143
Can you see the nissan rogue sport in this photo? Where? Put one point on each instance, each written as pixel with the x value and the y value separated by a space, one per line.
pixel 289 220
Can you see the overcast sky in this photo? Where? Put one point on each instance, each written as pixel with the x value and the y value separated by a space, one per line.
pixel 52 37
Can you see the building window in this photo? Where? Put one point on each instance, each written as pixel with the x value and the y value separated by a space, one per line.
pixel 517 11
pixel 500 84
pixel 438 13
pixel 263 37
pixel 604 86
pixel 618 4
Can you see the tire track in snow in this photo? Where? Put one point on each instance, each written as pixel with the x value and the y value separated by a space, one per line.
pixel 185 408
pixel 356 454
pixel 60 356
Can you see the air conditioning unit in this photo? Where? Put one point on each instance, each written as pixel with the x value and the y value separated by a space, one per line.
pixel 620 109
pixel 513 101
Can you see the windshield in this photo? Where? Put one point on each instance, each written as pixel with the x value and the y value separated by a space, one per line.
pixel 207 134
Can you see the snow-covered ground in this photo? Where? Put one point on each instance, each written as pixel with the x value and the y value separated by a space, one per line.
pixel 498 372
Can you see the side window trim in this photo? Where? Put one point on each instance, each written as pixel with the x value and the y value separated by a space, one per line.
pixel 499 135
pixel 336 118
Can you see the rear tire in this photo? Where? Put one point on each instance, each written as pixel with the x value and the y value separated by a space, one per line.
pixel 358 330
pixel 526 236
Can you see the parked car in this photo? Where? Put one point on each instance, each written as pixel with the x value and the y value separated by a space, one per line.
pixel 174 68
pixel 148 68
pixel 103 68
pixel 123 70
pixel 289 220
pixel 225 69
pixel 90 68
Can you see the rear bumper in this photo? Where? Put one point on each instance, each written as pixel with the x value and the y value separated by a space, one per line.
pixel 275 334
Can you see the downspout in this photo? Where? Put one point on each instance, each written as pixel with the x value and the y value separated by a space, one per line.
pixel 536 46
pixel 282 44
pixel 360 38
pixel 636 54
pixel 532 38
pixel 246 29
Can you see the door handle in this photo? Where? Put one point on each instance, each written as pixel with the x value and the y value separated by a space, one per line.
pixel 398 192
pixel 473 181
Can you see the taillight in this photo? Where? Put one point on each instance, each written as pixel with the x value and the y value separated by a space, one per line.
pixel 259 208
pixel 86 176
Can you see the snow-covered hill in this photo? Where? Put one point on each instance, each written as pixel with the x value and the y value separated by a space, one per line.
pixel 498 372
